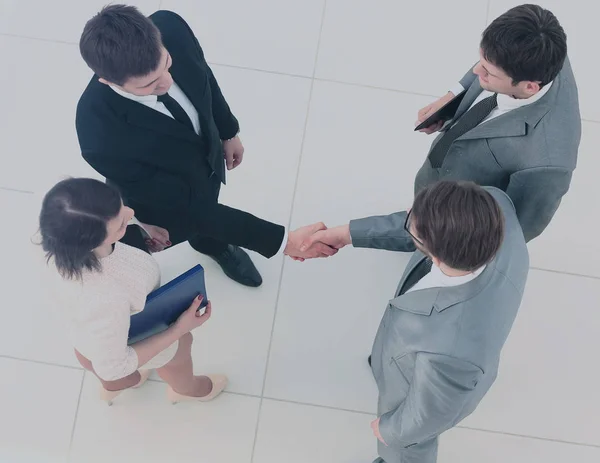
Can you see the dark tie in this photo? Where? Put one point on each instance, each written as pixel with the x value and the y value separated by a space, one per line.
pixel 471 119
pixel 176 110
pixel 422 269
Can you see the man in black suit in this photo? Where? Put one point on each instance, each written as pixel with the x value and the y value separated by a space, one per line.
pixel 154 122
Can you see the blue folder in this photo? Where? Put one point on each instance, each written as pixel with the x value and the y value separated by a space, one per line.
pixel 165 305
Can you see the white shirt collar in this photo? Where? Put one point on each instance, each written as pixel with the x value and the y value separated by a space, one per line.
pixel 437 273
pixel 148 99
pixel 508 103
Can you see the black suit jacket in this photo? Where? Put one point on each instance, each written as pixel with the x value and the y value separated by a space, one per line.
pixel 167 173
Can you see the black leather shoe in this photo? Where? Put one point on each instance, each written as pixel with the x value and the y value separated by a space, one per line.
pixel 237 265
pixel 369 360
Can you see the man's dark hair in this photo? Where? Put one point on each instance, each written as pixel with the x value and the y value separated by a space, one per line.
pixel 119 43
pixel 528 43
pixel 459 223
pixel 73 221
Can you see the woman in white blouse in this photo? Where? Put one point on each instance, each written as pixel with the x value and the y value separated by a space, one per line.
pixel 81 223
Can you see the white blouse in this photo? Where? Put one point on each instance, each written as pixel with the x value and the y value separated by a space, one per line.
pixel 101 306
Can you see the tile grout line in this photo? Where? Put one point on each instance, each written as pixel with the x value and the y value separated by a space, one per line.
pixel 487 13
pixel 41 362
pixel 305 404
pixel 266 71
pixel 310 94
pixel 524 436
pixel 280 73
pixel 593 277
pixel 322 79
pixel 325 407
pixel 374 87
pixel 15 190
pixel 76 416
pixel 360 412
pixel 40 39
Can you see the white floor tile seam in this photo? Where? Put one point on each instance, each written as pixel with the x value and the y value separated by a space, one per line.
pixel 559 272
pixel 247 68
pixel 364 413
pixel 16 190
pixel 76 416
pixel 468 428
pixel 39 39
pixel 41 362
pixel 265 71
pixel 289 224
pixel 306 404
pixel 524 436
pixel 269 71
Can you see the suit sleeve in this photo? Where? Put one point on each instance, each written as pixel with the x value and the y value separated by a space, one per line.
pixel 536 194
pixel 382 232
pixel 216 220
pixel 226 122
pixel 440 389
pixel 172 196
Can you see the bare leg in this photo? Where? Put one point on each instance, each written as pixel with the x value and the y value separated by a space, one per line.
pixel 118 385
pixel 179 372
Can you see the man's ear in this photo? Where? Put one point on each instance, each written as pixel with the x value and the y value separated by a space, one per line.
pixel 531 88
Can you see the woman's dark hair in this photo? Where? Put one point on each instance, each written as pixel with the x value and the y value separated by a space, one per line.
pixel 459 223
pixel 73 223
pixel 527 42
pixel 119 43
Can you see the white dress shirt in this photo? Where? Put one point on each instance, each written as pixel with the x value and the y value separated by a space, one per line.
pixel 152 102
pixel 438 279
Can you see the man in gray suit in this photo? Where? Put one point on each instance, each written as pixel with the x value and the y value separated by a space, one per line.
pixel 517 128
pixel 437 350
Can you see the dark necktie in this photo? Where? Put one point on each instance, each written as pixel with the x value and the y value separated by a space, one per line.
pixel 422 269
pixel 176 110
pixel 471 119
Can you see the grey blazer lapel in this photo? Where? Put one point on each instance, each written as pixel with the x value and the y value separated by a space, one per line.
pixel 415 260
pixel 423 301
pixel 506 125
pixel 514 123
pixel 472 93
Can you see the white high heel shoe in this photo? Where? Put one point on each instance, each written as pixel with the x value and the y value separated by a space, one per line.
pixel 109 396
pixel 219 382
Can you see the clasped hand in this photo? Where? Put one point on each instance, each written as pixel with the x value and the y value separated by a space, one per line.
pixel 316 240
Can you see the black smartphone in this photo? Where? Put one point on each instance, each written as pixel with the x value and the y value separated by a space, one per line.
pixel 445 113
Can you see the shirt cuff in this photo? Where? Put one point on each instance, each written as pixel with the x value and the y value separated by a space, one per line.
pixel 286 236
pixel 135 221
pixel 457 89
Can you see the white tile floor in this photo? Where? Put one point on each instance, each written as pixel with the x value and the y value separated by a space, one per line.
pixel 327 91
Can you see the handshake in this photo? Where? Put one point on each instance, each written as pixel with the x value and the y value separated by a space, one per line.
pixel 308 242
pixel 316 240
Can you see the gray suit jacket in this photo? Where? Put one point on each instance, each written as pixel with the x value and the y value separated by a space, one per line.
pixel 437 350
pixel 530 152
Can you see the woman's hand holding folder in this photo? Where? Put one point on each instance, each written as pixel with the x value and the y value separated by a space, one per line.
pixel 187 321
pixel 191 318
